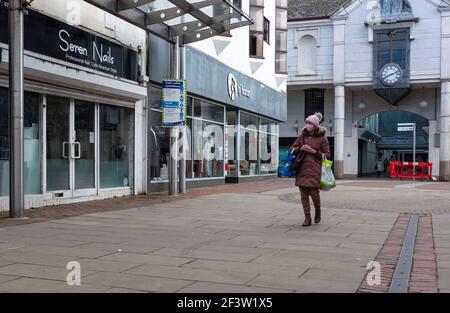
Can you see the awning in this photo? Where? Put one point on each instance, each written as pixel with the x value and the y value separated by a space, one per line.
pixel 191 20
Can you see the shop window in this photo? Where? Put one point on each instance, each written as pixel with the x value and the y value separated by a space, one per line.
pixel 269 153
pixel 208 111
pixel 58 169
pixel 115 148
pixel 249 152
pixel 4 143
pixel 314 101
pixel 32 155
pixel 31 144
pixel 208 149
pixel 231 143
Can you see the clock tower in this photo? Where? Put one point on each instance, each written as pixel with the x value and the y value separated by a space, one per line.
pixel 391 67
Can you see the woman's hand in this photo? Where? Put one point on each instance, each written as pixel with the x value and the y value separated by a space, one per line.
pixel 308 149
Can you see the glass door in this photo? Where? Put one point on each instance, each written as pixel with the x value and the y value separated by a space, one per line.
pixel 71 147
pixel 83 148
pixel 58 145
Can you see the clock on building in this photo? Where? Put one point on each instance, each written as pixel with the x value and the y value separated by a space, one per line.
pixel 391 63
pixel 391 74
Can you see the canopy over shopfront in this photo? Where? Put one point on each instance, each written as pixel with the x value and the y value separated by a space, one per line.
pixel 191 20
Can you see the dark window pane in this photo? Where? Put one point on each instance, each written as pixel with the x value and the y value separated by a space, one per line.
pixel 314 101
pixel 266 30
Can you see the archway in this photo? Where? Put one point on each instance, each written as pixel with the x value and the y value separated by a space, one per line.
pixel 380 140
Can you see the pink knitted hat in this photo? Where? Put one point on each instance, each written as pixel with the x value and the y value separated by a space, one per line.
pixel 315 119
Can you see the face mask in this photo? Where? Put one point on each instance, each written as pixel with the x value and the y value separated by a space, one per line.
pixel 309 128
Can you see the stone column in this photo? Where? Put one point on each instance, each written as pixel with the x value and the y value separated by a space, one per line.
pixel 444 151
pixel 339 93
pixel 444 167
pixel 339 118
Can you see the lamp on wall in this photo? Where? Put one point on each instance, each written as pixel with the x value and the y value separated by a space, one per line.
pixel 296 126
pixel 424 103
pixel 362 104
pixel 330 126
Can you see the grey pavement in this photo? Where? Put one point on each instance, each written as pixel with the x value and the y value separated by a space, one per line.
pixel 246 242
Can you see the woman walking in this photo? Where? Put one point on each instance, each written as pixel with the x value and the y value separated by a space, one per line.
pixel 314 144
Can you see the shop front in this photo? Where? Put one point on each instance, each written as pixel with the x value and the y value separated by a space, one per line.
pixel 232 126
pixel 80 103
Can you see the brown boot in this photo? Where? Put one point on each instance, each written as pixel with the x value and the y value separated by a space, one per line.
pixel 317 216
pixel 307 221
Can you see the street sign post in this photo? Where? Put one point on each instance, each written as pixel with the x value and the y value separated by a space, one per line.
pixel 408 127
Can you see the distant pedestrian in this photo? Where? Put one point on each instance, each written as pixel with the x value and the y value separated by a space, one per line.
pixel 379 167
pixel 385 164
pixel 313 143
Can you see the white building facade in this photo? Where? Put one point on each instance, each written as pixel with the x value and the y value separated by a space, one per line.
pixel 370 57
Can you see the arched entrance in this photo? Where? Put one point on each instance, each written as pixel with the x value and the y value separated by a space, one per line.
pixel 380 142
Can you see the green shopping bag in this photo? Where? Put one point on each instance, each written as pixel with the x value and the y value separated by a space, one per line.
pixel 327 180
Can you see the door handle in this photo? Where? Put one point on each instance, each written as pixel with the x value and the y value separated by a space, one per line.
pixel 64 152
pixel 76 156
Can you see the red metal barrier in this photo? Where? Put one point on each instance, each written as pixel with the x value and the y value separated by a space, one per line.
pixel 421 170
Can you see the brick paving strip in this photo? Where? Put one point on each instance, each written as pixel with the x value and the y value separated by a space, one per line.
pixel 123 203
pixel 423 276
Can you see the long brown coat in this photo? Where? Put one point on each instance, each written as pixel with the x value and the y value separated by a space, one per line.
pixel 311 167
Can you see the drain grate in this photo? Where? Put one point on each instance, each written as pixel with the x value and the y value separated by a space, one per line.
pixel 402 274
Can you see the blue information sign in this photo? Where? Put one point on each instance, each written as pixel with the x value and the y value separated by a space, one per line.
pixel 174 99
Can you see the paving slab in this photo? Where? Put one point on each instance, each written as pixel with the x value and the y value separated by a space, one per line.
pixel 143 283
pixel 202 287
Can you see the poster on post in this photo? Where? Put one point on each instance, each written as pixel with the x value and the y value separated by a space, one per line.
pixel 174 102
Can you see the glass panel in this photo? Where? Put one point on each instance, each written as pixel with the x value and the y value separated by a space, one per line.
pixel 208 111
pixel 249 152
pixel 160 149
pixel 58 147
pixel 208 149
pixel 268 126
pixel 4 143
pixel 250 121
pixel 114 146
pixel 269 153
pixel 281 62
pixel 85 145
pixel 231 142
pixel 189 162
pixel 159 140
pixel 31 144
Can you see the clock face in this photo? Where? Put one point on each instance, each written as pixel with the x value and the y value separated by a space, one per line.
pixel 391 74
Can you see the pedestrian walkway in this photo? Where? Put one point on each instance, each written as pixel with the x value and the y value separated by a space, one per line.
pixel 234 238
